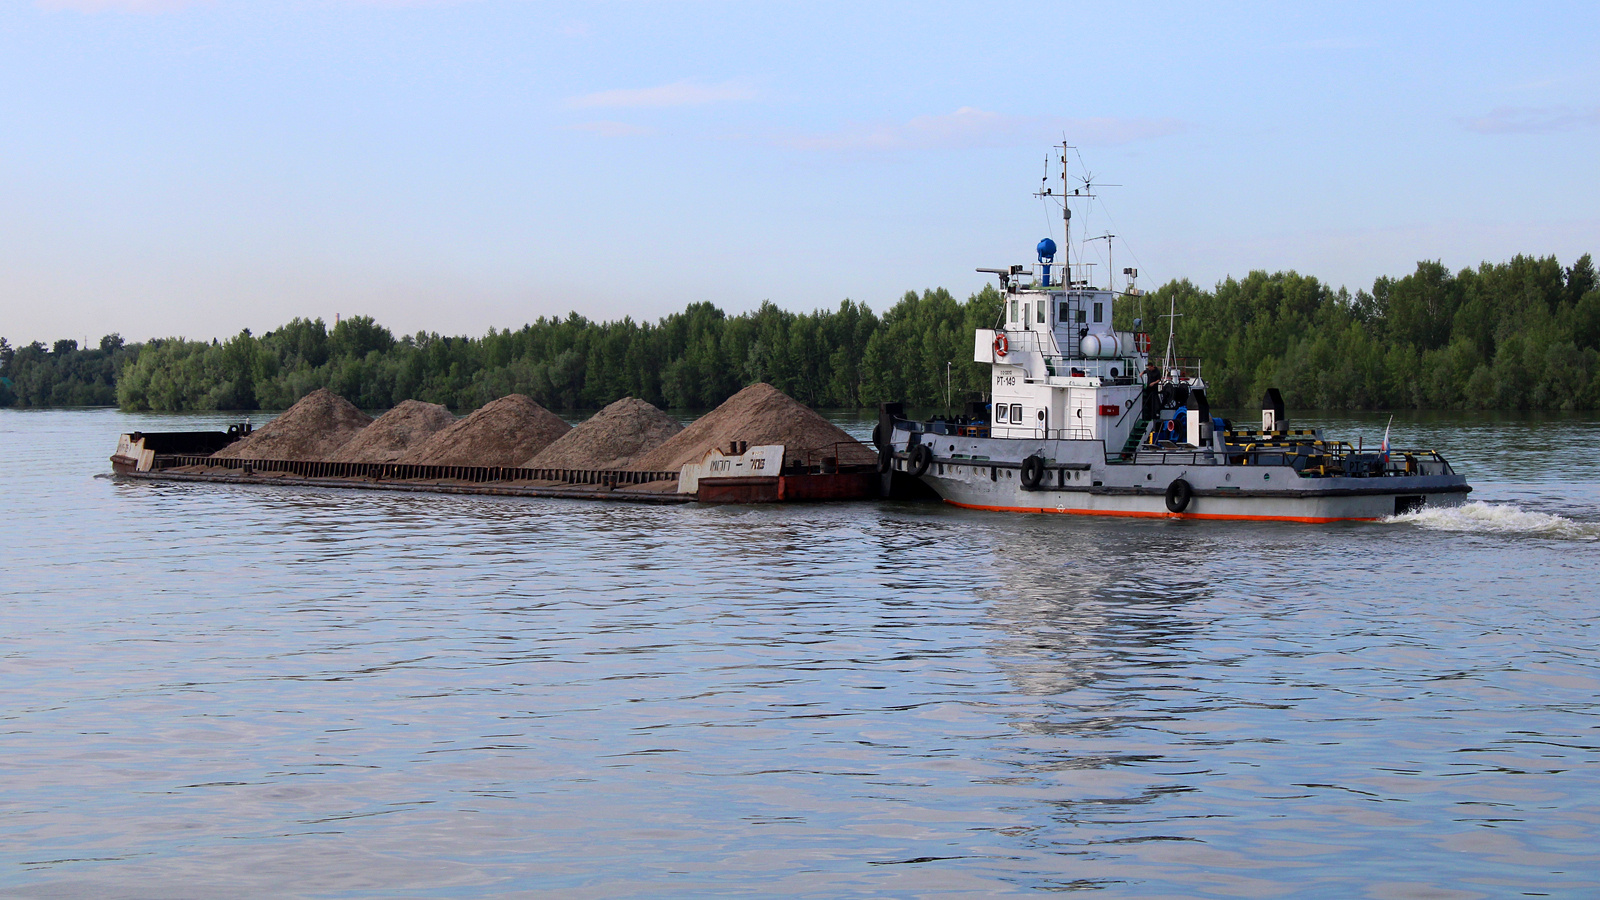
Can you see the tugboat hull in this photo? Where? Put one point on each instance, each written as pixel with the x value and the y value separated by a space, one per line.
pixel 1341 507
pixel 1077 478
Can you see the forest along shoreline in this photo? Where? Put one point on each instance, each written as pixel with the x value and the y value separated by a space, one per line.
pixel 1523 334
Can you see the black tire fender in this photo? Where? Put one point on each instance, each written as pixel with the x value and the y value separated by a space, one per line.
pixel 1179 493
pixel 921 459
pixel 1032 472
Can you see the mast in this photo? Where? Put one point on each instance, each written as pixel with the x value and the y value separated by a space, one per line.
pixel 1172 329
pixel 1066 224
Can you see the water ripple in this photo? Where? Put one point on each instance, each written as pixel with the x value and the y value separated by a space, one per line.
pixel 213 690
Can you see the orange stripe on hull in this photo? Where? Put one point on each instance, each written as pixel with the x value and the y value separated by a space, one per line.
pixel 1135 514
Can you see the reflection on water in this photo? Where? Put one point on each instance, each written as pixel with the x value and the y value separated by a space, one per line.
pixel 210 690
pixel 1219 710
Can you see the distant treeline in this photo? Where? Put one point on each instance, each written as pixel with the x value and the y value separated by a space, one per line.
pixel 1518 335
pixel 1522 334
pixel 63 374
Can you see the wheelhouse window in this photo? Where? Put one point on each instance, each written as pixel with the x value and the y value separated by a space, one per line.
pixel 1098 312
pixel 1002 413
pixel 1039 312
pixel 1013 309
pixel 1016 413
pixel 1083 316
pixel 1063 314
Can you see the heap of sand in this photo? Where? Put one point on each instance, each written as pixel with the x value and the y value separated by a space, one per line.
pixel 610 439
pixel 505 432
pixel 759 414
pixel 312 429
pixel 396 431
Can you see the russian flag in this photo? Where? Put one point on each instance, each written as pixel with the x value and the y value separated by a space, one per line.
pixel 1383 453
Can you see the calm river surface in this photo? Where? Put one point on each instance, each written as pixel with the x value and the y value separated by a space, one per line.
pixel 214 691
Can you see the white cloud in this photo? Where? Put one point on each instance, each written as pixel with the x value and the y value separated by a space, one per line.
pixel 970 127
pixel 1533 120
pixel 678 93
pixel 611 129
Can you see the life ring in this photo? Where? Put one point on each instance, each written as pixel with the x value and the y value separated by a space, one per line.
pixel 885 459
pixel 1032 472
pixel 1179 493
pixel 921 459
pixel 1002 344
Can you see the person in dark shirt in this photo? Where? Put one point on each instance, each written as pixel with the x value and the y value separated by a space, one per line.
pixel 1152 376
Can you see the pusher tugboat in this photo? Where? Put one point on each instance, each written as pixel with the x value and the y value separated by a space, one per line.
pixel 1083 420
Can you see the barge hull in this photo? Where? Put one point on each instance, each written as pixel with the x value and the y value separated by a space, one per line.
pixel 789 488
pixel 571 492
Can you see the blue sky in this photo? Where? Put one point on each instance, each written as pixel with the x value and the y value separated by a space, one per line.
pixel 193 168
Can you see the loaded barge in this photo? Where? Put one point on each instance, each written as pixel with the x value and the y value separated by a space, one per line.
pixel 1083 420
pixel 737 473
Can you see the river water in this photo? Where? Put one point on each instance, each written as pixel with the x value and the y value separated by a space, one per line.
pixel 234 691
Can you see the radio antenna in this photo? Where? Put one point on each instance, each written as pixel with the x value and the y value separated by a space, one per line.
pixel 1172 327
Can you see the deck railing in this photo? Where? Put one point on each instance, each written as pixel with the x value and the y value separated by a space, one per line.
pixel 1023 432
pixel 1310 458
pixel 826 459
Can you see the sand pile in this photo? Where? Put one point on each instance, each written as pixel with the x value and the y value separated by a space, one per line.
pixel 395 432
pixel 610 439
pixel 759 414
pixel 314 429
pixel 506 432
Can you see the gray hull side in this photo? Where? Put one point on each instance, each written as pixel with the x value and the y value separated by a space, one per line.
pixel 1081 481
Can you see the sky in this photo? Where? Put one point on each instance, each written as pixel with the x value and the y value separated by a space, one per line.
pixel 196 167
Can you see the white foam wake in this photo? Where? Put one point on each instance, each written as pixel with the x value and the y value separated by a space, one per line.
pixel 1498 518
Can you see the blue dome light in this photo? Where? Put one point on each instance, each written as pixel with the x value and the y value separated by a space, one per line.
pixel 1047 252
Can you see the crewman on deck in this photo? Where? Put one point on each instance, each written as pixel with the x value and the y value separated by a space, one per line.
pixel 1152 376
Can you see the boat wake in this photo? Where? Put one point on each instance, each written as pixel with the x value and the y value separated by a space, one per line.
pixel 1499 518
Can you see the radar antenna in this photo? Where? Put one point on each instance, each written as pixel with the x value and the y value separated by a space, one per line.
pixel 1069 193
pixel 1045 193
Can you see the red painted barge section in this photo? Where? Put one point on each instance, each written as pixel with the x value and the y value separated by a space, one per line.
pixel 799 487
